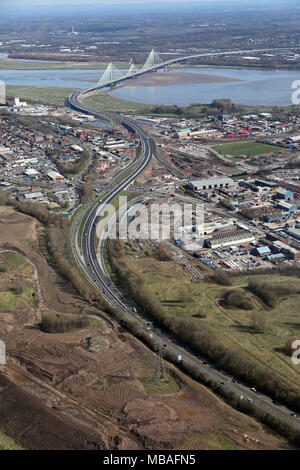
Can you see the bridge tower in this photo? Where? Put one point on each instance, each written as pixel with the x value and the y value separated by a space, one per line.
pixel 152 60
pixel 132 69
pixel 111 73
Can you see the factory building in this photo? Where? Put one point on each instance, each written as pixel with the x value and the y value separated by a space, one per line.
pixel 264 183
pixel 287 250
pixel 273 216
pixel 232 237
pixel 54 176
pixel 262 251
pixel 284 194
pixel 210 183
pixel 31 172
pixel 286 207
pixel 275 256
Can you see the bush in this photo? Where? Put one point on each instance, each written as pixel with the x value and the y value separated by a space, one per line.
pixel 60 323
pixel 221 277
pixel 270 293
pixel 236 299
pixel 259 322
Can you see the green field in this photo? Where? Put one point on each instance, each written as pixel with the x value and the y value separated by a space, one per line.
pixel 58 95
pixel 105 101
pixel 12 261
pixel 248 148
pixel 11 64
pixel 212 441
pixel 6 443
pixel 8 299
pixel 232 326
pixel 47 95
pixel 95 323
pixel 11 291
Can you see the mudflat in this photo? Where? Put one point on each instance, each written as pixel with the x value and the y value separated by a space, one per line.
pixel 176 78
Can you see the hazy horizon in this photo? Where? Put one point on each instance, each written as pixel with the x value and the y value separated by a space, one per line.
pixel 34 8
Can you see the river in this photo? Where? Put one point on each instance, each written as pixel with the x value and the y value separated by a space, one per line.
pixel 257 87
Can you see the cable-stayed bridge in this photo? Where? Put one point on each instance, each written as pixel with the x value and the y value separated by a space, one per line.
pixel 112 76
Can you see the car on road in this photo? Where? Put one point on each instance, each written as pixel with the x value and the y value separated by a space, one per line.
pixel 249 399
pixel 253 389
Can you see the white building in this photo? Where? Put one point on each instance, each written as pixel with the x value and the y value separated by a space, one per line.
pixel 210 183
pixel 19 104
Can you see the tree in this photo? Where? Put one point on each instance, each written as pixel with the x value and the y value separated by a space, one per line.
pixel 184 294
pixel 259 322
pixel 288 349
pixel 18 288
pixel 221 277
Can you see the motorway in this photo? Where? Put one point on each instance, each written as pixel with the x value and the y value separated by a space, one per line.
pixel 92 262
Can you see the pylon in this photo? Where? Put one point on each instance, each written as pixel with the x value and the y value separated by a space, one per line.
pixel 161 374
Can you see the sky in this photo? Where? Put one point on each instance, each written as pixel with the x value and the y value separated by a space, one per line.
pixel 55 7
pixel 9 3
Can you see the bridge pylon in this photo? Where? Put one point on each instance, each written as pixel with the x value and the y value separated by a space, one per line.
pixel 152 60
pixel 132 69
pixel 111 73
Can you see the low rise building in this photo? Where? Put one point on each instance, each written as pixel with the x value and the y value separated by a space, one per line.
pixel 210 183
pixel 262 251
pixel 54 176
pixel 284 194
pixel 232 237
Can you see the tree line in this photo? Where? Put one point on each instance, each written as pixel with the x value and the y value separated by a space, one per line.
pixel 53 322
